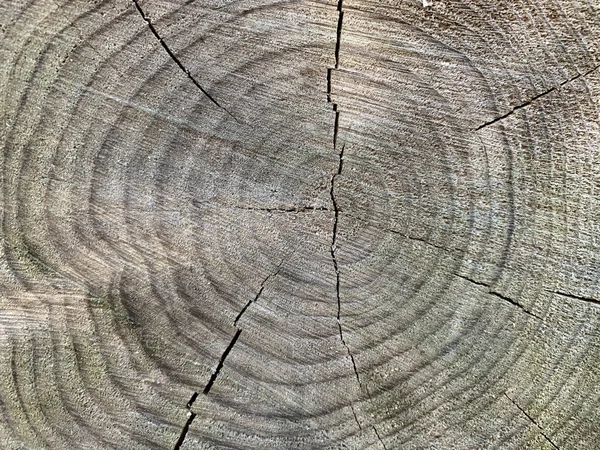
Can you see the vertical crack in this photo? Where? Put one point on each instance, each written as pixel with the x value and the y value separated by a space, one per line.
pixel 336 126
pixel 339 33
pixel 532 421
pixel 336 209
pixel 329 85
pixel 177 61
pixel 336 267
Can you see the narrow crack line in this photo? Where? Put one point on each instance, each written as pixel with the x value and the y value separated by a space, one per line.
pixel 247 305
pixel 329 85
pixel 341 164
pixel 291 209
pixel 515 109
pixel 177 61
pixel 184 431
pixel 581 75
pixel 221 362
pixel 260 291
pixel 532 421
pixel 336 209
pixel 424 241
pixel 193 398
pixel 355 416
pixel 533 99
pixel 336 125
pixel 498 295
pixel 334 259
pixel 353 363
pixel 575 297
pixel 379 437
pixel 470 280
pixel 276 209
pixel 338 41
pixel 515 303
pixel 232 343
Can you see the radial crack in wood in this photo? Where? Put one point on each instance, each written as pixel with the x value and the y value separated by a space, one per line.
pixel 176 60
pixel 532 421
pixel 402 220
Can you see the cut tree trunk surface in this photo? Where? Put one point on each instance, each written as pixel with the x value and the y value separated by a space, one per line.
pixel 309 224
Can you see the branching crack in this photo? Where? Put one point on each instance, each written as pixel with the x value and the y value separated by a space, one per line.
pixel 575 297
pixel 184 431
pixel 532 421
pixel 497 294
pixel 177 61
pixel 260 291
pixel 221 362
pixel 533 99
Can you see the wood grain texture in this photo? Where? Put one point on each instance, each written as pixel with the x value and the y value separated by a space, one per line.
pixel 310 224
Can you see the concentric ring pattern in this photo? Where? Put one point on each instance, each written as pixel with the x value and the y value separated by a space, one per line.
pixel 301 224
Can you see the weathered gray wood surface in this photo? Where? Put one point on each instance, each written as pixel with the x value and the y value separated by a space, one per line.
pixel 370 224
